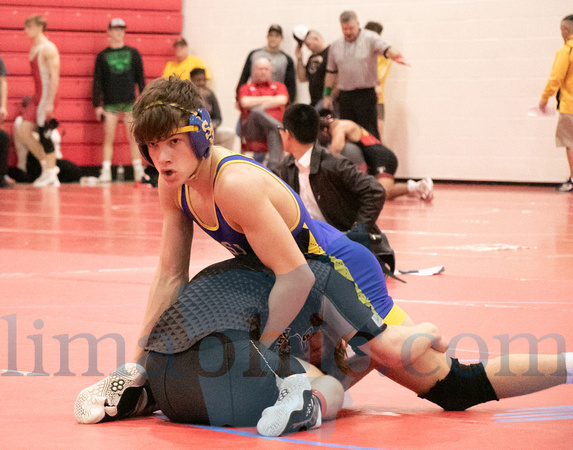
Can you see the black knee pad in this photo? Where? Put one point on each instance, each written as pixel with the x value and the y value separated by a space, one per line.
pixel 45 140
pixel 463 387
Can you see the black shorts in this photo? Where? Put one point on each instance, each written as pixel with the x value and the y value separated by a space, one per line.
pixel 203 365
pixel 381 161
pixel 221 380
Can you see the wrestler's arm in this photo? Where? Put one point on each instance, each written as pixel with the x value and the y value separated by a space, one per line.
pixel 246 204
pixel 344 130
pixel 173 268
pixel 52 60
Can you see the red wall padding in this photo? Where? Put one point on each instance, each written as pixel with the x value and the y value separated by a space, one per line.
pixel 164 5
pixel 78 19
pixel 87 42
pixel 78 28
pixel 78 65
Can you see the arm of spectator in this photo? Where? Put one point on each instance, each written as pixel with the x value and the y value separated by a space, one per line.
pixel 52 59
pixel 300 67
pixel 216 116
pixel 394 55
pixel 290 80
pixel 139 75
pixel 330 81
pixel 3 99
pixel 556 77
pixel 263 101
pixel 97 87
pixel 245 74
pixel 366 189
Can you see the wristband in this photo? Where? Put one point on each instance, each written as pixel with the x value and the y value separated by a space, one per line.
pixel 327 91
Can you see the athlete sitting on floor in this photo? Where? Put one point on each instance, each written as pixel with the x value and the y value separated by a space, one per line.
pixel 365 150
pixel 248 210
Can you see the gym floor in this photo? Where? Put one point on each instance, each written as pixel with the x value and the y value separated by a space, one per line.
pixel 76 264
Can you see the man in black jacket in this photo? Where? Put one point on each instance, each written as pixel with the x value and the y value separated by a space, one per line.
pixel 332 188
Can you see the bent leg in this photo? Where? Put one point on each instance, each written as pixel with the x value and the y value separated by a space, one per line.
pixel 25 135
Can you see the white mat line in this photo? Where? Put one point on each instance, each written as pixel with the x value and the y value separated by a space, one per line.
pixel 503 304
pixel 75 272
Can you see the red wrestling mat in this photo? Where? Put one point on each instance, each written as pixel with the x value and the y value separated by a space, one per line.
pixel 76 264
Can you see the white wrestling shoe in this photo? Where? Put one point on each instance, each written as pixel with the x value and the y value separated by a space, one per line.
pixel 102 400
pixel 138 173
pixel 427 189
pixel 296 408
pixel 423 189
pixel 105 176
pixel 49 177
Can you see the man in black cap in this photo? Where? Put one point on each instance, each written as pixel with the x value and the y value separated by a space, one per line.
pixel 282 64
pixel 183 63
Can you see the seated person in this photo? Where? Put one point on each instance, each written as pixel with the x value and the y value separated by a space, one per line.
pixel 262 103
pixel 380 161
pixel 332 188
pixel 224 136
pixel 28 167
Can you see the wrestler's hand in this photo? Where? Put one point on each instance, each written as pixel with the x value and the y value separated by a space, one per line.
pixel 117 396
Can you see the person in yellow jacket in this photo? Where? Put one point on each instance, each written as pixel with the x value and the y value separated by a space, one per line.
pixel 561 83
pixel 183 63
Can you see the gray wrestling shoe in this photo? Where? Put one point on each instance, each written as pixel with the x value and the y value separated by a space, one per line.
pixel 121 395
pixel 296 408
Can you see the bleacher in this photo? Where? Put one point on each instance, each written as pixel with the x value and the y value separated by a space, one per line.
pixel 79 30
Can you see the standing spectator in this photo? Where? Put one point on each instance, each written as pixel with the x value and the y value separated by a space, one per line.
pixel 4 138
pixel 118 69
pixel 262 104
pixel 183 63
pixel 353 68
pixel 224 136
pixel 282 65
pixel 383 69
pixel 45 63
pixel 561 82
pixel 315 69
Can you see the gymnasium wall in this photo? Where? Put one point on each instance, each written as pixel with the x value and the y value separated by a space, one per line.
pixel 459 112
pixel 78 28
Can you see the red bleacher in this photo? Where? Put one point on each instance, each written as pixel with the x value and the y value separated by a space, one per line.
pixel 78 28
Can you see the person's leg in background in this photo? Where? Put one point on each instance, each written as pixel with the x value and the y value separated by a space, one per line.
pixel 109 126
pixel 4 148
pixel 138 172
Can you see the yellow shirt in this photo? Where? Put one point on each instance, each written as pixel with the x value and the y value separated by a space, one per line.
pixel 561 77
pixel 183 68
pixel 383 69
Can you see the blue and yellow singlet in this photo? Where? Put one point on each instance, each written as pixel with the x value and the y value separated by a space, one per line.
pixel 313 237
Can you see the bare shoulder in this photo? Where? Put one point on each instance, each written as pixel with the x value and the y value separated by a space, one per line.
pixel 50 50
pixel 242 181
